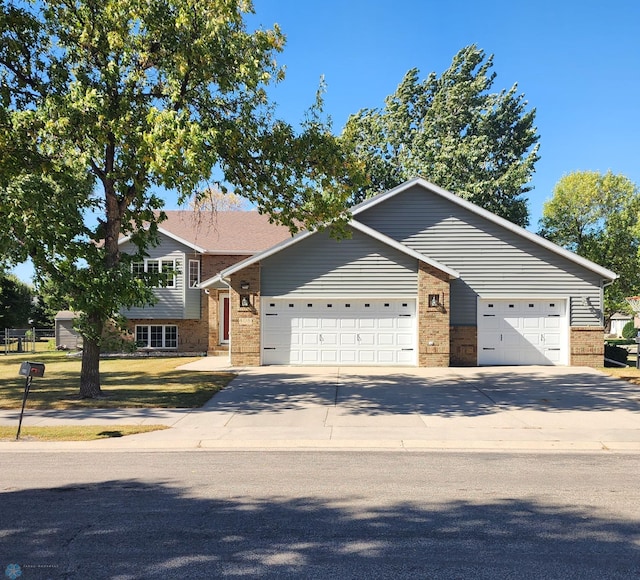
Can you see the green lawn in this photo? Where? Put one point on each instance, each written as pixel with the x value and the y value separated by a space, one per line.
pixel 75 432
pixel 126 382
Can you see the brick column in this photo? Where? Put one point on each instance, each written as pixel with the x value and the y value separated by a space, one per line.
pixel 464 346
pixel 433 321
pixel 587 346
pixel 245 320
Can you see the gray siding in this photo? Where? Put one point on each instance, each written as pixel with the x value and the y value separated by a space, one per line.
pixel 66 335
pixel 321 266
pixel 493 262
pixel 178 302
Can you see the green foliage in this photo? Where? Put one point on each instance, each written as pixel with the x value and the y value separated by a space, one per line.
pixel 101 103
pixel 629 330
pixel 15 302
pixel 597 216
pixel 616 353
pixel 454 132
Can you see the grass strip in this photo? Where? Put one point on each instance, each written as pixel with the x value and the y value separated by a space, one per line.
pixel 76 432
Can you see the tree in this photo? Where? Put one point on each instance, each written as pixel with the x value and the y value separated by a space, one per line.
pixel 102 101
pixel 213 200
pixel 597 216
pixel 454 132
pixel 15 302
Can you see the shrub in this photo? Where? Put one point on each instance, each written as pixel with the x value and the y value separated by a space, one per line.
pixel 629 330
pixel 616 353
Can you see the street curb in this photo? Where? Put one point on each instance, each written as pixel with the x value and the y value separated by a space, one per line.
pixel 319 445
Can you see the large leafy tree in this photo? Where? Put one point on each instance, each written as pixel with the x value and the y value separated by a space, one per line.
pixel 15 302
pixel 453 131
pixel 597 216
pixel 104 101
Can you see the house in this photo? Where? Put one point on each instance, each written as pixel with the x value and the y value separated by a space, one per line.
pixel 194 247
pixel 617 322
pixel 426 278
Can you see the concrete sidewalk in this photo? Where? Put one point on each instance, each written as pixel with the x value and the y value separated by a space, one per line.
pixel 508 408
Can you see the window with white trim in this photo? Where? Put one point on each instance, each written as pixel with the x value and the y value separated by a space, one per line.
pixel 157 267
pixel 194 273
pixel 156 336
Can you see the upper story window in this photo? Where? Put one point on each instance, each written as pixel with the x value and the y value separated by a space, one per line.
pixel 194 273
pixel 164 267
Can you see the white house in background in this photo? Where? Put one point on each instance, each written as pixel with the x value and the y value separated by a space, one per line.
pixel 618 322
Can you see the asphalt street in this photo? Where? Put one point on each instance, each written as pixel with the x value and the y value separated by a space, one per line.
pixel 319 514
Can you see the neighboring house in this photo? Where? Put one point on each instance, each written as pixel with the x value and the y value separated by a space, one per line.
pixel 618 322
pixel 194 247
pixel 426 279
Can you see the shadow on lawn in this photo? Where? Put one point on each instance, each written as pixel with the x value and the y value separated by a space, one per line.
pixel 120 389
pixel 128 528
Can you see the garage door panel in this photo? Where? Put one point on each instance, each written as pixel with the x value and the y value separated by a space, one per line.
pixel 329 356
pixel 348 339
pixel 329 339
pixel 339 332
pixel 310 339
pixel 366 339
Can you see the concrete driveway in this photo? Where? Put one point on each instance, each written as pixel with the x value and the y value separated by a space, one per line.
pixel 517 408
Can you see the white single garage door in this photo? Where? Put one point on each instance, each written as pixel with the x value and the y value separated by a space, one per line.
pixel 345 331
pixel 522 332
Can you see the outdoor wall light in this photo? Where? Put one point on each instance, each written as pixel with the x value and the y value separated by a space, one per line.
pixel 244 285
pixel 245 301
pixel 434 300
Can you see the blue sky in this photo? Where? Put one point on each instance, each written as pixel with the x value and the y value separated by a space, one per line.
pixel 577 63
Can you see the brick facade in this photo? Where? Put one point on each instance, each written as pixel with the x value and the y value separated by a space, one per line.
pixel 245 320
pixel 586 346
pixel 210 266
pixel 464 346
pixel 193 335
pixel 433 321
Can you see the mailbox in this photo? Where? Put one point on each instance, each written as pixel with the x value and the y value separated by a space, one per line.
pixel 31 369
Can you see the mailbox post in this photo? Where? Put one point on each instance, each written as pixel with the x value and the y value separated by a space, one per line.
pixel 28 370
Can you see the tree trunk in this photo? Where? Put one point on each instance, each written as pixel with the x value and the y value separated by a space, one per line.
pixel 90 372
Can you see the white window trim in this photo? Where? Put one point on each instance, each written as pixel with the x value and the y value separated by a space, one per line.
pixel 197 280
pixel 164 336
pixel 171 283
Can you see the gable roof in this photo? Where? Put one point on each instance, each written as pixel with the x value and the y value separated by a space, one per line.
pixel 487 215
pixel 217 280
pixel 222 232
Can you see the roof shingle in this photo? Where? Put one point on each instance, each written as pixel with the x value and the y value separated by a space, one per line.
pixel 225 232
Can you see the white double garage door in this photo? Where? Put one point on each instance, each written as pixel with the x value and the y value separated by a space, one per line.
pixel 345 331
pixel 523 332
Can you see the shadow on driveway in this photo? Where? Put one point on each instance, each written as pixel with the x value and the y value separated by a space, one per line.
pixel 456 393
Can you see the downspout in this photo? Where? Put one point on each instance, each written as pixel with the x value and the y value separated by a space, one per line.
pixel 603 285
pixel 227 281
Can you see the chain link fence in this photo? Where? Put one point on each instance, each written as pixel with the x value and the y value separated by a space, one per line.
pixel 24 340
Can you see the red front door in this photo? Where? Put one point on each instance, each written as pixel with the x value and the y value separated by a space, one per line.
pixel 225 319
